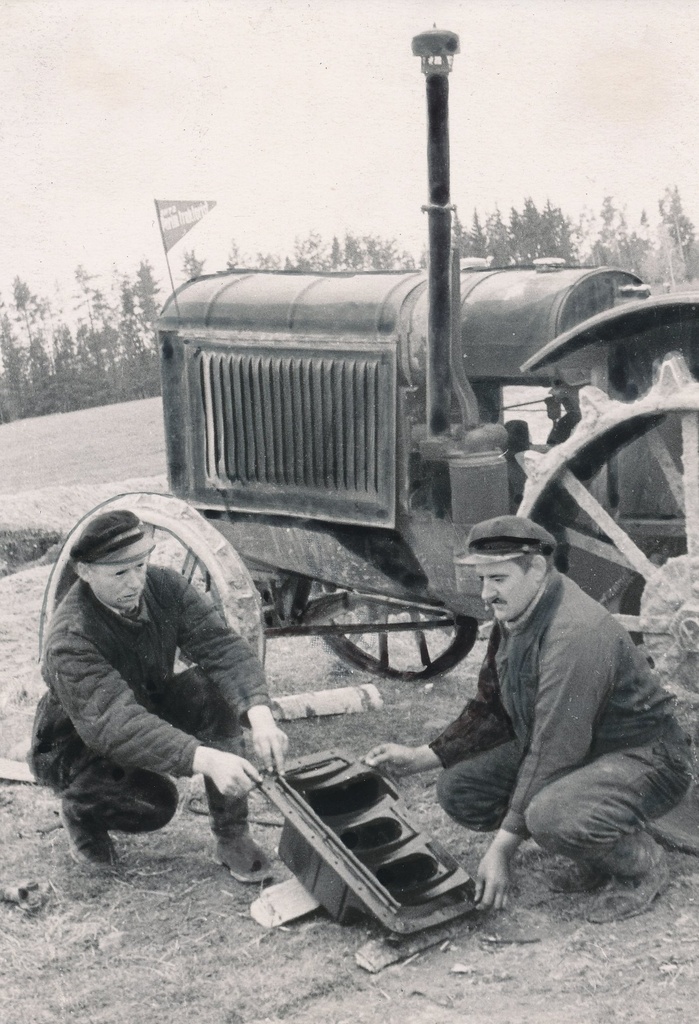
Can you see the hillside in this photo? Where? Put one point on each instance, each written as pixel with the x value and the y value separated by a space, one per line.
pixel 109 442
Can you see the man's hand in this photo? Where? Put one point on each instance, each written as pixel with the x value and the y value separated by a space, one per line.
pixel 493 876
pixel 269 742
pixel 232 775
pixel 402 760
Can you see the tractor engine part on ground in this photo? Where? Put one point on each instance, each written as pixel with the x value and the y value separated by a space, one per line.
pixel 349 840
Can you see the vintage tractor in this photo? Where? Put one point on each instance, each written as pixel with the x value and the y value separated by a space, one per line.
pixel 342 431
pixel 337 434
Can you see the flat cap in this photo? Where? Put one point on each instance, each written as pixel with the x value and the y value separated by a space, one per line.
pixel 116 537
pixel 496 540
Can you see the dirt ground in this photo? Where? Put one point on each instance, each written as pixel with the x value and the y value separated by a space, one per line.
pixel 168 938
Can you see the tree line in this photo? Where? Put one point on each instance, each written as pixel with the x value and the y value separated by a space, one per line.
pixel 104 349
pixel 664 252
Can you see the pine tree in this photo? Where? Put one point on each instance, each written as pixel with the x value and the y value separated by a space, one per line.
pixel 268 261
pixel 499 246
pixel 525 233
pixel 459 236
pixel 335 254
pixel 311 253
pixel 147 291
pixel 606 248
pixel 680 228
pixel 556 236
pixel 191 266
pixel 13 382
pixel 235 257
pixel 353 256
pixel 139 369
pixel 478 239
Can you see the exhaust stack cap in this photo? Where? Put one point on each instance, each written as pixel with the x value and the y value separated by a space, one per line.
pixel 436 49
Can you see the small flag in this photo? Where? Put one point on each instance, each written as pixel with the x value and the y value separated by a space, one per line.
pixel 177 217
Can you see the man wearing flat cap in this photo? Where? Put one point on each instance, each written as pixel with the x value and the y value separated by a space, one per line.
pixel 570 739
pixel 118 722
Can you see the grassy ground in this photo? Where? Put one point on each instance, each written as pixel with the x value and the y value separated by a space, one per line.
pixel 168 939
pixel 110 442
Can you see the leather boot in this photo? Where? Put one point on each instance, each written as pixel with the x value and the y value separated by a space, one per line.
pixel 641 871
pixel 235 847
pixel 88 843
pixel 583 876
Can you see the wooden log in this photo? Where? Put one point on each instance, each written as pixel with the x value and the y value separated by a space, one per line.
pixel 284 902
pixel 346 700
pixel 15 771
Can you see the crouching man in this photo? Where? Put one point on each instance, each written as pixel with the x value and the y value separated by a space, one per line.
pixel 569 740
pixel 117 721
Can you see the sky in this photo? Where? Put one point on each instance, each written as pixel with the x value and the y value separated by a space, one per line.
pixel 300 115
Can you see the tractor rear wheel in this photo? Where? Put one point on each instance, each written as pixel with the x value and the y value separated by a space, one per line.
pixel 579 490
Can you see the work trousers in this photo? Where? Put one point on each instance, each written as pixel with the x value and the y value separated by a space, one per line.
pixel 580 815
pixel 105 795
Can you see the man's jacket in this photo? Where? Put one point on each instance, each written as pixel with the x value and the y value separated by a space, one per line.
pixel 105 674
pixel 568 684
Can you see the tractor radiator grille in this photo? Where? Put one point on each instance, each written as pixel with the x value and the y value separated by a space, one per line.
pixel 301 433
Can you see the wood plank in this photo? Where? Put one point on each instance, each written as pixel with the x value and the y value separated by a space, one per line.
pixel 15 771
pixel 286 901
pixel 376 954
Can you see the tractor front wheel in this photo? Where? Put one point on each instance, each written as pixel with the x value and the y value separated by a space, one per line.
pixel 391 638
pixel 184 541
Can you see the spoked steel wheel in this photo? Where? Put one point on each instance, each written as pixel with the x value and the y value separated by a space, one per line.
pixel 627 485
pixel 391 638
pixel 186 542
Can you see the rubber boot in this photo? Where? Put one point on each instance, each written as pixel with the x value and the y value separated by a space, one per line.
pixel 235 847
pixel 641 871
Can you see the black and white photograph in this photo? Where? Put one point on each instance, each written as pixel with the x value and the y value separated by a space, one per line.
pixel 349 512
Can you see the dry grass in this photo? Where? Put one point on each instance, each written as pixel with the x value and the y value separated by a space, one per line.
pixel 169 938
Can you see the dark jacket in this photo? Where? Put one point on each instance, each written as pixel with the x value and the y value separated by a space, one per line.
pixel 569 685
pixel 105 674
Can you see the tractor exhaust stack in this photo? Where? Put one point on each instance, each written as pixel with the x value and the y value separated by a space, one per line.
pixel 436 49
